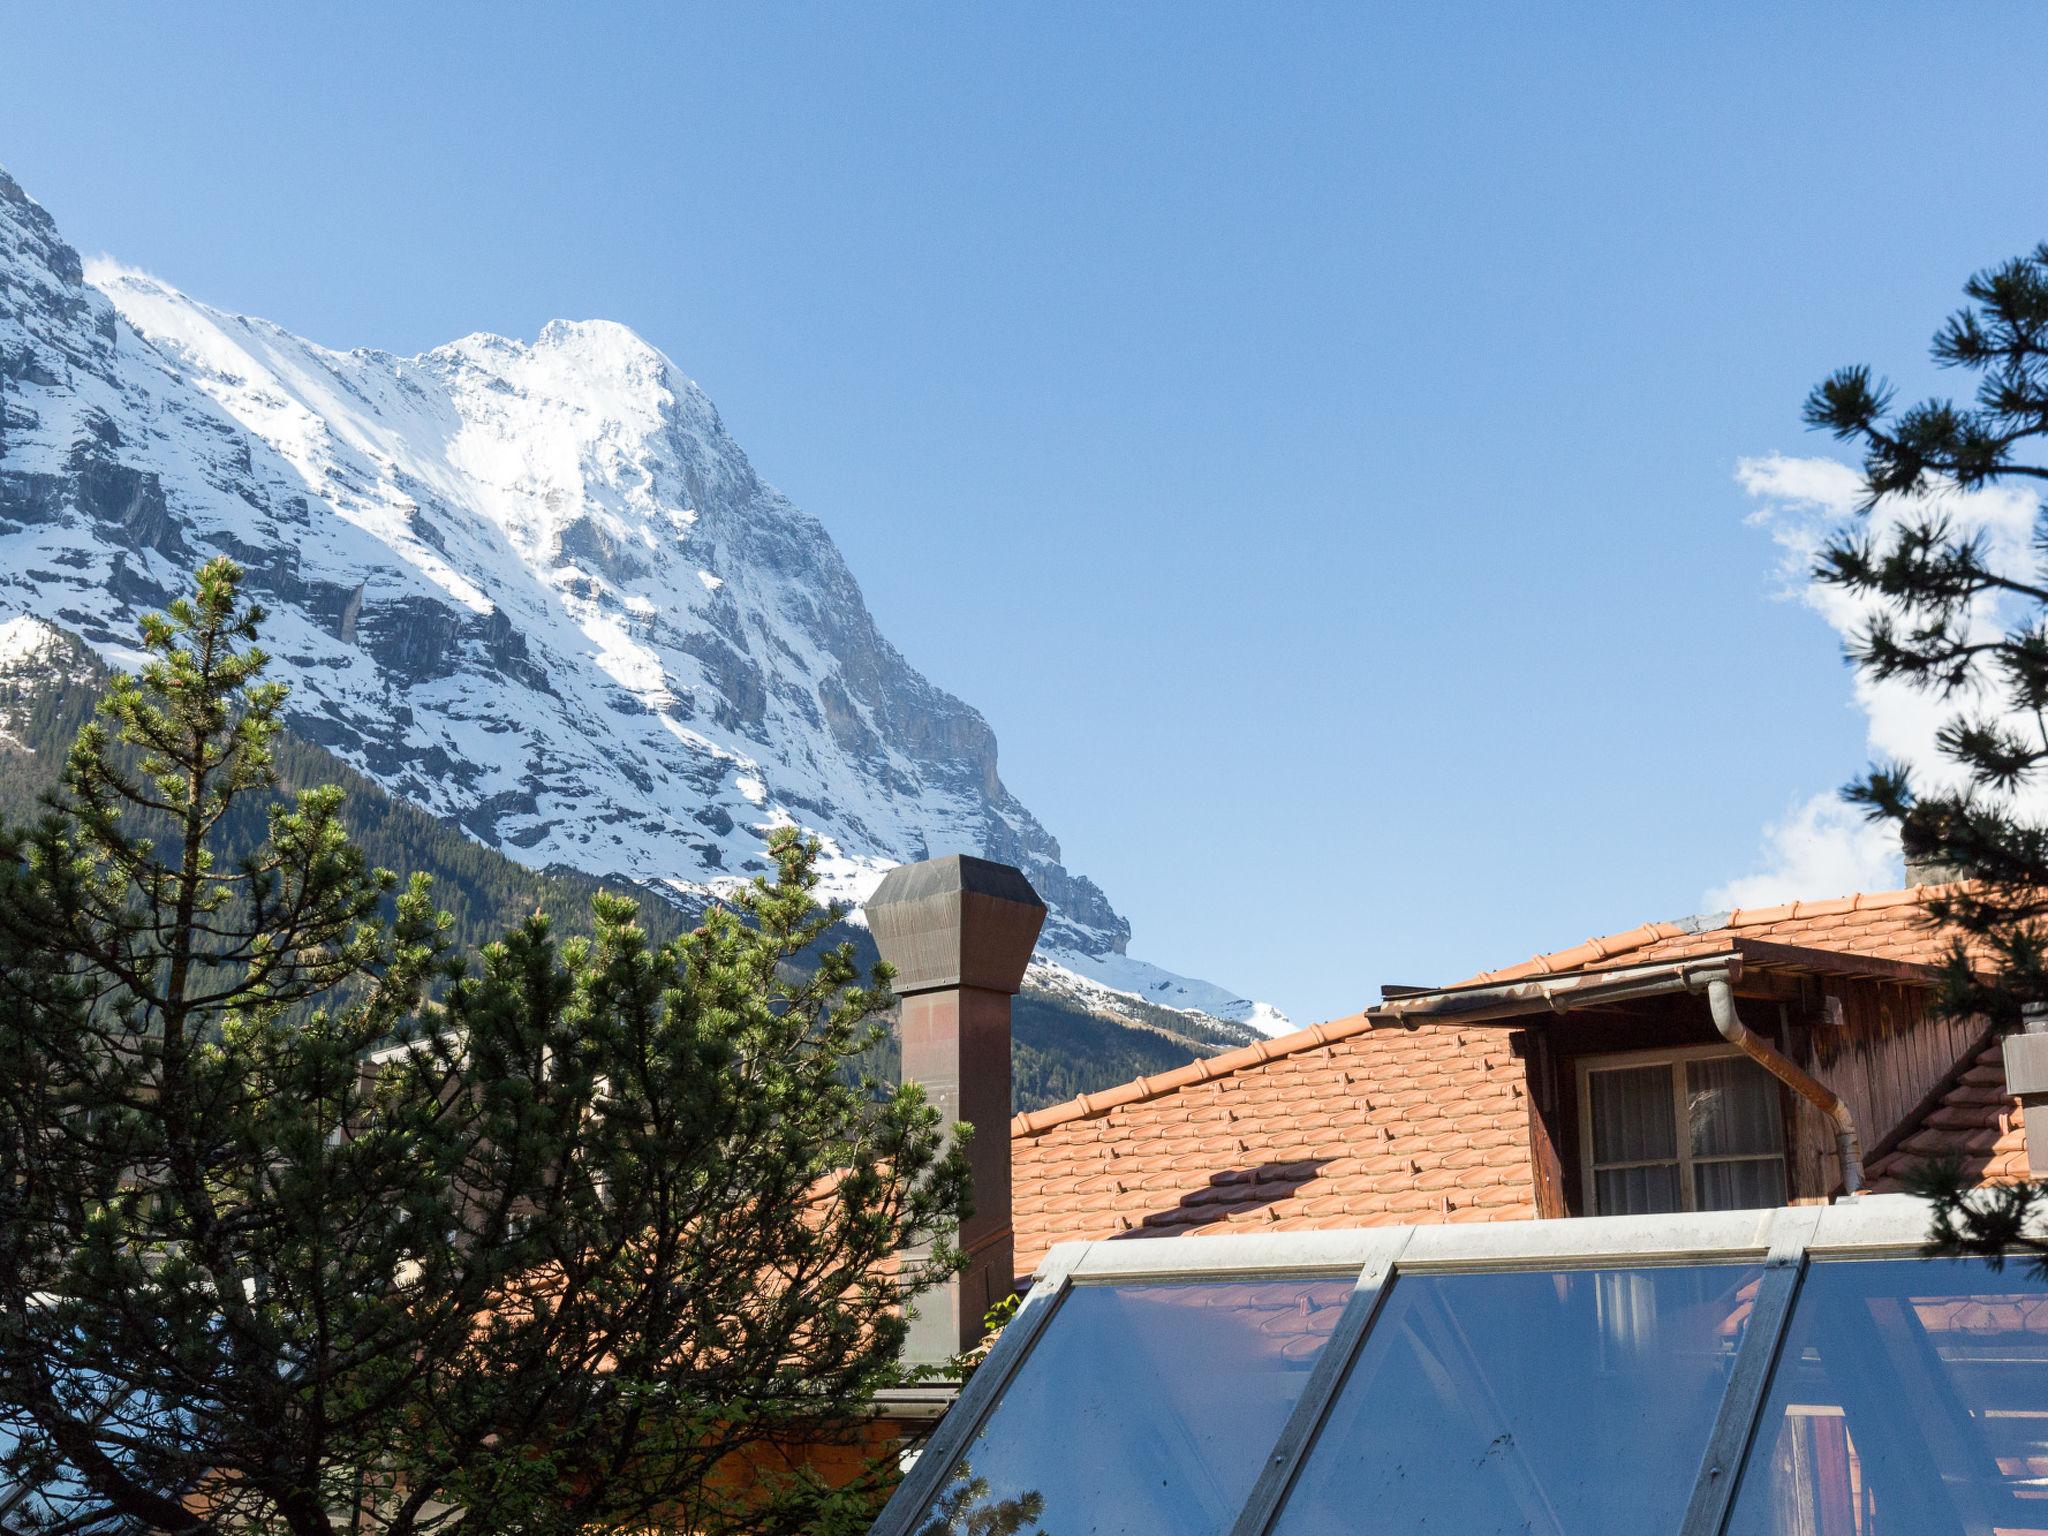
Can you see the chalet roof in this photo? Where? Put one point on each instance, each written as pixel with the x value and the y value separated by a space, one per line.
pixel 1361 1122
pixel 1888 926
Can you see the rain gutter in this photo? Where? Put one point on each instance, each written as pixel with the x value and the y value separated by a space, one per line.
pixel 1558 994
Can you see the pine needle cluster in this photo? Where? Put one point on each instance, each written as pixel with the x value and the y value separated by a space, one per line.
pixel 1965 619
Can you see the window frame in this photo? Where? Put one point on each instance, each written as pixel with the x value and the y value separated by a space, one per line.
pixel 1676 1059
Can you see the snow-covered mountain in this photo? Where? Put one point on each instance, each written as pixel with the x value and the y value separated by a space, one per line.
pixel 535 588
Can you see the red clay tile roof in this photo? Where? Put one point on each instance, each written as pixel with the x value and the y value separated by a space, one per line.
pixel 1361 1127
pixel 1977 1121
pixel 1351 1124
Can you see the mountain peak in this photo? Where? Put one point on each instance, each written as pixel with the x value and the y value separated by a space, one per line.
pixel 533 587
pixel 605 340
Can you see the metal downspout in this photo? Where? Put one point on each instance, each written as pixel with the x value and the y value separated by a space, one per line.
pixel 1721 1001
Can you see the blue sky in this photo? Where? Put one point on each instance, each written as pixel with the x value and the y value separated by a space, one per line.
pixel 1310 434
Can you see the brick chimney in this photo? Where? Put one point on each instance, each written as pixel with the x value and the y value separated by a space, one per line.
pixel 959 932
pixel 1929 869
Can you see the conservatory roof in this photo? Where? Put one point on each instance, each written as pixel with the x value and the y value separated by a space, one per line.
pixel 1696 1374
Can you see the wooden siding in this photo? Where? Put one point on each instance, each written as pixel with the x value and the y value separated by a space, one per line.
pixel 1885 1050
pixel 1876 1043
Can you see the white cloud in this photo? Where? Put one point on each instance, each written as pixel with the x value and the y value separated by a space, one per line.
pixel 1822 847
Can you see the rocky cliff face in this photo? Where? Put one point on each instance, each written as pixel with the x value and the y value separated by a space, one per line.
pixel 533 587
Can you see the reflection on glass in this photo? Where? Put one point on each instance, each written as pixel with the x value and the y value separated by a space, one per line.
pixel 1638 1191
pixel 1738 1134
pixel 966 1506
pixel 1752 1184
pixel 1734 1108
pixel 1574 1403
pixel 1141 1409
pixel 1701 1133
pixel 1910 1399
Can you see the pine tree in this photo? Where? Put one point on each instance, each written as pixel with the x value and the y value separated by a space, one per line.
pixel 966 1507
pixel 307 1227
pixel 1954 618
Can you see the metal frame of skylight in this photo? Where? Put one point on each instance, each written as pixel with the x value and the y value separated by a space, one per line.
pixel 1782 1242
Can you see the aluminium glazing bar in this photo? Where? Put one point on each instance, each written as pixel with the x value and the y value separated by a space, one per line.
pixel 1324 1379
pixel 921 1484
pixel 1735 1425
pixel 1452 1247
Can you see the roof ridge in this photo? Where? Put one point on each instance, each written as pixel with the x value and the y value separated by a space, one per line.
pixel 1607 946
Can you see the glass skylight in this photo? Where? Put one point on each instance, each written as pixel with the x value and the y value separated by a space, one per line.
pixel 1792 1372
pixel 1148 1408
pixel 1909 1396
pixel 1572 1402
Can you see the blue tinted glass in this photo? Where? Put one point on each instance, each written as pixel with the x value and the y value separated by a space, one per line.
pixel 1141 1409
pixel 1911 1396
pixel 1569 1403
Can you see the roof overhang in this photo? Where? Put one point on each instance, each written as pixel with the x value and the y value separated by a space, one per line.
pixel 1507 1002
pixel 1514 1002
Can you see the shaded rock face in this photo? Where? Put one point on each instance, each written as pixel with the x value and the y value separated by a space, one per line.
pixel 533 587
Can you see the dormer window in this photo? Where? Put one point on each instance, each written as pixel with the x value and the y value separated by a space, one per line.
pixel 1685 1130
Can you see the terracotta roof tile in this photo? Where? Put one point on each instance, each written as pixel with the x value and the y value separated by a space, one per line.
pixel 1885 925
pixel 1889 925
pixel 1299 1147
pixel 1977 1121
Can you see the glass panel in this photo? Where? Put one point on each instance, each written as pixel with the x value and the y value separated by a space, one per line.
pixel 1141 1409
pixel 1910 1399
pixel 1734 1107
pixel 1753 1185
pixel 1636 1191
pixel 1632 1115
pixel 1575 1403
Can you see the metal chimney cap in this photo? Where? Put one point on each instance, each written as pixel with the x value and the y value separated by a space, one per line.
pixel 955 872
pixel 2026 1065
pixel 958 921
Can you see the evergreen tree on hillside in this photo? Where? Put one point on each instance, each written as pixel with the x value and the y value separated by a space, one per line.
pixel 306 1226
pixel 1060 1049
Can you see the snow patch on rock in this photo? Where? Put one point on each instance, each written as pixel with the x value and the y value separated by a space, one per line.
pixel 532 586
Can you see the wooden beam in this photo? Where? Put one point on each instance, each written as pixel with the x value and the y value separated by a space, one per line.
pixel 1831 962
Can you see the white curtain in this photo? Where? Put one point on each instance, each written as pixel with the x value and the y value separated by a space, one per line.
pixel 1732 1136
pixel 1635 1124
